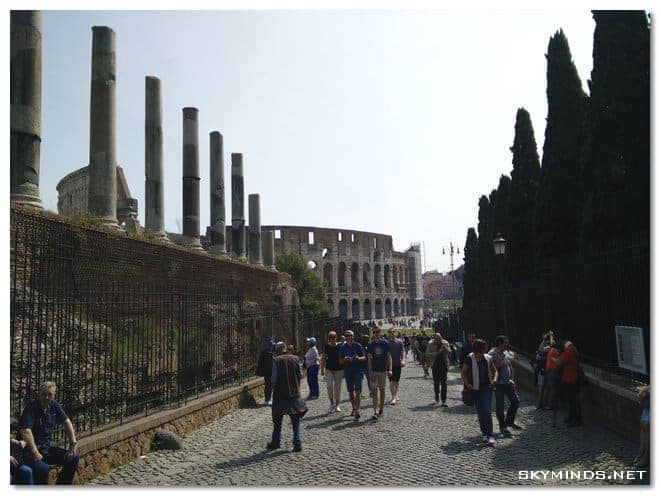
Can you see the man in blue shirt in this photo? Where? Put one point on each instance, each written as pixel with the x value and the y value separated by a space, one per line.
pixel 352 355
pixel 379 363
pixel 37 424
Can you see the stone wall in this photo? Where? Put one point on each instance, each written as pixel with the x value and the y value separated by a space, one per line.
pixel 119 445
pixel 602 403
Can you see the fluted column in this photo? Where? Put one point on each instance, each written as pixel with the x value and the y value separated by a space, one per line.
pixel 254 230
pixel 154 198
pixel 268 244
pixel 238 208
pixel 25 106
pixel 102 189
pixel 191 179
pixel 217 191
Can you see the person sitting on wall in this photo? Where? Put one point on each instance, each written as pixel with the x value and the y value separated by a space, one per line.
pixel 37 424
pixel 21 474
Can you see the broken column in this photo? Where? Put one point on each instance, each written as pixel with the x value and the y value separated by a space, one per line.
pixel 102 190
pixel 217 203
pixel 254 231
pixel 268 247
pixel 191 180
pixel 154 214
pixel 238 210
pixel 25 106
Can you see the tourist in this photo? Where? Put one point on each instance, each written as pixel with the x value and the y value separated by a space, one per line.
pixel 398 361
pixel 438 352
pixel 286 380
pixel 568 360
pixel 379 363
pixel 36 426
pixel 422 343
pixel 552 379
pixel 364 371
pixel 466 348
pixel 331 368
pixel 642 460
pixel 480 375
pixel 20 474
pixel 540 368
pixel 264 369
pixel 353 355
pixel 505 386
pixel 312 367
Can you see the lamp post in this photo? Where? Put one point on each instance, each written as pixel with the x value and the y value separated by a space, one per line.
pixel 452 249
pixel 499 247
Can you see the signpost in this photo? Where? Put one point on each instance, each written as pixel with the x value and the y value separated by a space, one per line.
pixel 631 348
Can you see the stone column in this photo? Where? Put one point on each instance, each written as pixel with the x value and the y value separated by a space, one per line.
pixel 268 240
pixel 191 180
pixel 102 189
pixel 25 106
pixel 217 200
pixel 254 230
pixel 154 200
pixel 238 208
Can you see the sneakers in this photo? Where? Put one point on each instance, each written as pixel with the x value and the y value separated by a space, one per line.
pixel 270 446
pixel 515 426
pixel 298 447
pixel 485 439
pixel 337 408
pixel 505 432
pixel 491 441
pixel 380 413
pixel 331 409
pixel 444 405
pixel 269 402
pixel 375 417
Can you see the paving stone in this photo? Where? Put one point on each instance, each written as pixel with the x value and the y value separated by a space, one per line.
pixel 412 445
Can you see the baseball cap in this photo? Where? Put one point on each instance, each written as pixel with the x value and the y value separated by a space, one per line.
pixel 312 341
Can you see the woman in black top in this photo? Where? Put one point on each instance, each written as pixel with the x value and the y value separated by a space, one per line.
pixel 331 368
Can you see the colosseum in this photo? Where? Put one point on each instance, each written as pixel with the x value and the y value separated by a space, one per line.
pixel 365 278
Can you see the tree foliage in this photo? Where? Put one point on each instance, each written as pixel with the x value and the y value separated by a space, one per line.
pixel 310 287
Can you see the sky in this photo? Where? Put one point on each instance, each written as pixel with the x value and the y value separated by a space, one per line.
pixel 392 122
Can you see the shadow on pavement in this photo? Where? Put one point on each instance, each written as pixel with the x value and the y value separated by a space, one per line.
pixel 255 458
pixel 320 425
pixel 472 444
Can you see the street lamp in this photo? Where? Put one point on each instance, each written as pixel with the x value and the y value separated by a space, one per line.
pixel 499 245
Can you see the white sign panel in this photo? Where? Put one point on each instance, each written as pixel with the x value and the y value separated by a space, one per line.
pixel 631 348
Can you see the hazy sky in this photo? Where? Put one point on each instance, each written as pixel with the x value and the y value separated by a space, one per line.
pixel 386 121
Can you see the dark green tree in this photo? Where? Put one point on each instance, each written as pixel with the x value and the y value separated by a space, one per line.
pixel 310 287
pixel 522 197
pixel 617 162
pixel 471 279
pixel 560 200
pixel 486 266
pixel 500 207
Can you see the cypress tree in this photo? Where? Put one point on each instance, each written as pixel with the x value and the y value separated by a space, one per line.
pixel 471 279
pixel 500 212
pixel 523 193
pixel 486 267
pixel 616 168
pixel 560 200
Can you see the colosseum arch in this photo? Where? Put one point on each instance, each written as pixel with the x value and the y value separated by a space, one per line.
pixel 402 307
pixel 377 276
pixel 396 307
pixel 408 307
pixel 355 309
pixel 355 276
pixel 367 309
pixel 386 275
pixel 343 309
pixel 328 274
pixel 388 308
pixel 378 309
pixel 367 272
pixel 331 306
pixel 342 274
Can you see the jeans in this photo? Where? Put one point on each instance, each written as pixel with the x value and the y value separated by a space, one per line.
pixel 508 390
pixel 21 475
pixel 334 385
pixel 366 374
pixel 483 407
pixel 572 391
pixel 313 380
pixel 54 455
pixel 440 378
pixel 277 428
pixel 268 388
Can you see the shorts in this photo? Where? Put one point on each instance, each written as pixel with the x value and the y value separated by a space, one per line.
pixel 379 379
pixel 396 374
pixel 354 381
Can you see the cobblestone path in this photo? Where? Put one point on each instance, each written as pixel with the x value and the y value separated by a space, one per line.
pixel 414 444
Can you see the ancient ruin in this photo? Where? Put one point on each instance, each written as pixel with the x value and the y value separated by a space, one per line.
pixel 217 200
pixel 365 277
pixel 154 196
pixel 191 179
pixel 238 208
